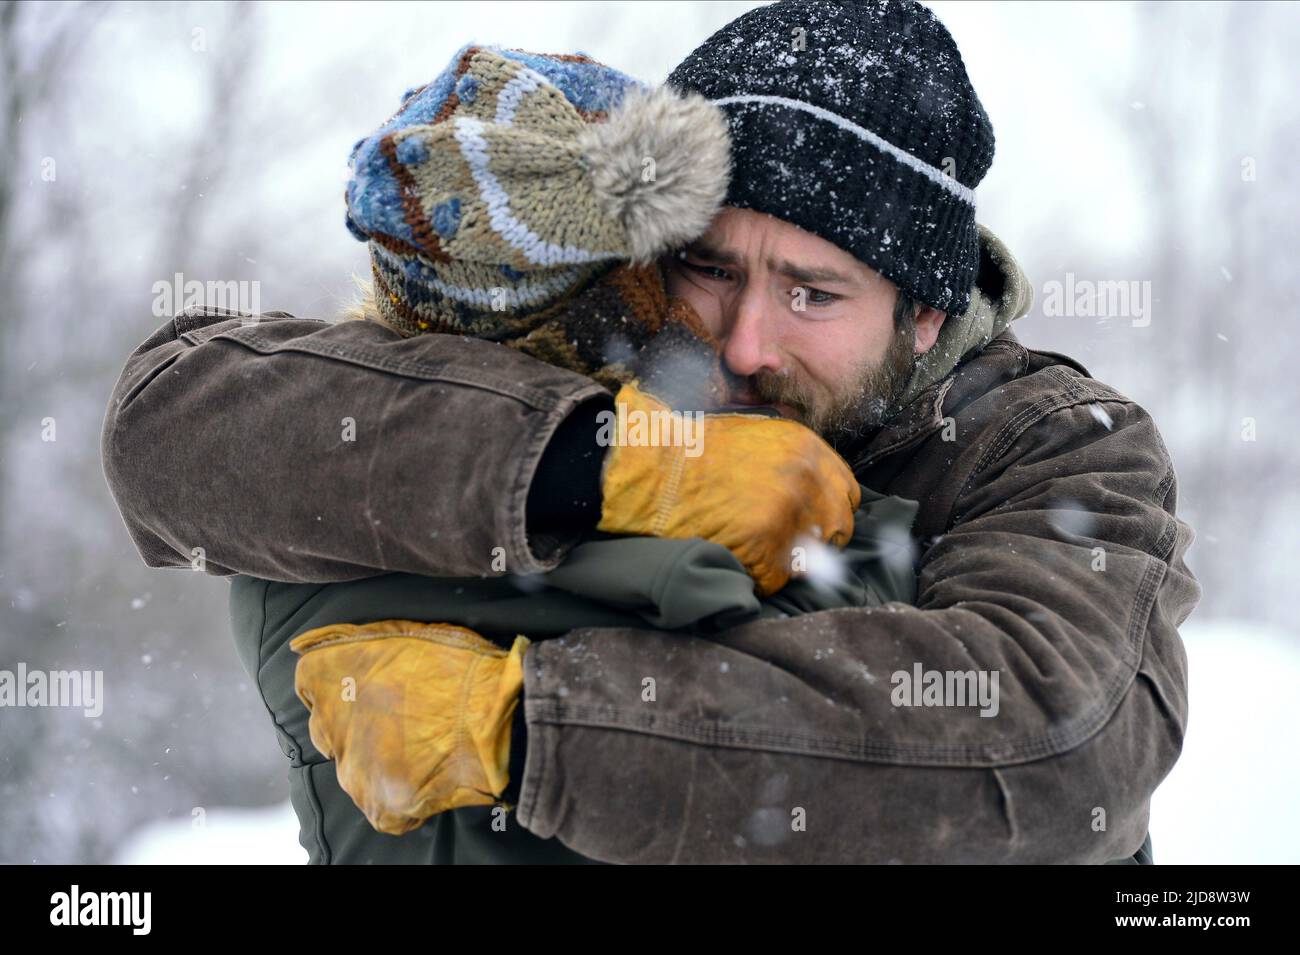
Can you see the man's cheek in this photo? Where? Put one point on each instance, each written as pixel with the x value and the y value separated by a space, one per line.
pixel 705 304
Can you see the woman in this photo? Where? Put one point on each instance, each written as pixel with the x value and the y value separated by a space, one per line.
pixel 525 199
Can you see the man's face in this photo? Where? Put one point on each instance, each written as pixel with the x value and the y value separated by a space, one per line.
pixel 805 327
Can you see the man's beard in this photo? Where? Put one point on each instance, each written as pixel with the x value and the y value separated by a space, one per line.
pixel 854 409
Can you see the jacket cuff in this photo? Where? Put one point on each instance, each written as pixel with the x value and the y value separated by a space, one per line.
pixel 565 492
pixel 558 489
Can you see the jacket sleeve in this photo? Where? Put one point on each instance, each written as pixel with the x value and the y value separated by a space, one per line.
pixel 305 451
pixel 789 741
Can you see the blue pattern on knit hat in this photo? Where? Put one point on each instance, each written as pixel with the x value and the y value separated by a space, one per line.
pixel 590 87
pixel 466 88
pixel 423 106
pixel 374 197
pixel 411 151
pixel 446 218
pixel 373 192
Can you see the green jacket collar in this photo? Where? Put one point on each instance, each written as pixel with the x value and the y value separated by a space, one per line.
pixel 1002 293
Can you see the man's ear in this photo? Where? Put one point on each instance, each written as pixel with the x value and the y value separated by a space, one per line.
pixel 928 322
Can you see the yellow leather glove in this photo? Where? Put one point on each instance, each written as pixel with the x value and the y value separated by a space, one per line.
pixel 417 715
pixel 757 483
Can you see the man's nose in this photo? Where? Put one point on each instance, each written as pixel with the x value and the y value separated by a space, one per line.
pixel 749 343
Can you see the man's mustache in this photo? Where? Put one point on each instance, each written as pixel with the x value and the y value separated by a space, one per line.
pixel 770 388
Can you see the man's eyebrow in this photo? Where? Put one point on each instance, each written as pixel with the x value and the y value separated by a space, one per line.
pixel 809 273
pixel 800 273
pixel 703 250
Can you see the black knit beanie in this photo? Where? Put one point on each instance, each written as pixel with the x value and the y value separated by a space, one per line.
pixel 856 122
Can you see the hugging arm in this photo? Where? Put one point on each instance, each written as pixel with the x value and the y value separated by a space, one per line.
pixel 304 451
pixel 783 740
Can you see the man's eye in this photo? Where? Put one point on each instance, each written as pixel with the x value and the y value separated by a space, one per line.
pixel 814 295
pixel 708 271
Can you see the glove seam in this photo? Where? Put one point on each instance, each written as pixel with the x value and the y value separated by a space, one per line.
pixel 463 735
pixel 668 498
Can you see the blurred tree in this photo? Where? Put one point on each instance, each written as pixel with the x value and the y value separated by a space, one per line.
pixel 1205 137
pixel 76 269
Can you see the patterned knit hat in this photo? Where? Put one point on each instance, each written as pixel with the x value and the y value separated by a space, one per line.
pixel 855 121
pixel 515 179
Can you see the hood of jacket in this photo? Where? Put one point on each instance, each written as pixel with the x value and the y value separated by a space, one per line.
pixel 1002 293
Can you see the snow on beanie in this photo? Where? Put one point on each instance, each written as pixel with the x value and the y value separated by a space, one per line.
pixel 856 122
pixel 513 180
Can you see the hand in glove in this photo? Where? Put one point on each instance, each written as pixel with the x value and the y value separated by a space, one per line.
pixel 755 485
pixel 417 715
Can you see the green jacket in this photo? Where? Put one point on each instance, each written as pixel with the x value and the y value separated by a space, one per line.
pixel 691 587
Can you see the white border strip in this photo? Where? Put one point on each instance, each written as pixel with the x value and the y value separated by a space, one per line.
pixel 902 155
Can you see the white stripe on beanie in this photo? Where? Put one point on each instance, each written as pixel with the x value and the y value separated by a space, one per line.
pixel 508 100
pixel 964 193
pixel 519 295
pixel 470 133
pixel 542 288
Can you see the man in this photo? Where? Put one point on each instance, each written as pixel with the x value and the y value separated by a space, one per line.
pixel 1053 570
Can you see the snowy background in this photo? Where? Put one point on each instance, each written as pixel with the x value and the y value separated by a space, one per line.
pixel 1134 142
